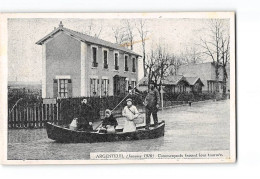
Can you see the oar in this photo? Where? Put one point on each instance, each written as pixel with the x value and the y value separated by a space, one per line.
pixel 117 105
pixel 120 102
pixel 98 125
pixel 112 110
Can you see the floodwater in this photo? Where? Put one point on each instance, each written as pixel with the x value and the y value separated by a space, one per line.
pixel 203 126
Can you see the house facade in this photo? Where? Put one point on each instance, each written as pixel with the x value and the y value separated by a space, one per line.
pixel 76 64
pixel 206 73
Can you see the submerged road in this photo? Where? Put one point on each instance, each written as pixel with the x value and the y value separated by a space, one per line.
pixel 203 126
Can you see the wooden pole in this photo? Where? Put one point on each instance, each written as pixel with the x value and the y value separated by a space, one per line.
pixel 162 96
pixel 35 116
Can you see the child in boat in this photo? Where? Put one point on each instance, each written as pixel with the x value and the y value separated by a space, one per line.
pixel 130 112
pixel 109 122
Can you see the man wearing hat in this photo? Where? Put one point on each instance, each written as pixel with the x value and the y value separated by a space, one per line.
pixel 152 103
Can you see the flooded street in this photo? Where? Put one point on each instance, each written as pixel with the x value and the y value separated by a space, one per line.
pixel 203 126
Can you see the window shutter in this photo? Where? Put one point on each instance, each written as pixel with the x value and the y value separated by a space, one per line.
pixel 91 91
pixel 55 88
pixel 97 87
pixel 69 88
pixel 107 87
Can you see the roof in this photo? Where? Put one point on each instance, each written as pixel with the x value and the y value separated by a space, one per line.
pixel 85 38
pixel 173 79
pixel 193 80
pixel 169 80
pixel 203 70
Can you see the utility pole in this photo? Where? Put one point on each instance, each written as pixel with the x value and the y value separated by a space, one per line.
pixel 162 96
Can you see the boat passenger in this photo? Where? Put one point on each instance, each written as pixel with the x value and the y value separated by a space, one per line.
pixel 85 116
pixel 130 112
pixel 109 122
pixel 152 103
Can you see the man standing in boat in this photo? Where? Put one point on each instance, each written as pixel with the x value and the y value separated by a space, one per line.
pixel 85 116
pixel 152 104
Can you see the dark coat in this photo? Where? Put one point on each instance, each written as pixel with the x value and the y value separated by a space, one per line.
pixel 152 99
pixel 85 113
pixel 109 121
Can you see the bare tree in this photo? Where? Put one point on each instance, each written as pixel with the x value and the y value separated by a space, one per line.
pixel 99 31
pixel 225 56
pixel 192 55
pixel 158 65
pixel 94 29
pixel 176 62
pixel 142 30
pixel 212 46
pixel 149 65
pixel 130 33
pixel 119 34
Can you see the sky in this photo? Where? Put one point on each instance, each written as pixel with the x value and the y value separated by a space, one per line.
pixel 25 57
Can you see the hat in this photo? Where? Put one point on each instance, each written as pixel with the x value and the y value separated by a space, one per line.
pixel 108 111
pixel 129 99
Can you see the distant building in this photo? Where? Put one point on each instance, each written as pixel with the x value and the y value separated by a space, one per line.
pixel 195 83
pixel 206 73
pixel 176 84
pixel 76 64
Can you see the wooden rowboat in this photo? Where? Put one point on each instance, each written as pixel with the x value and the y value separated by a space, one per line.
pixel 66 135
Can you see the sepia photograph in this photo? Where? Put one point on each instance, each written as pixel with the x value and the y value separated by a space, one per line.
pixel 113 88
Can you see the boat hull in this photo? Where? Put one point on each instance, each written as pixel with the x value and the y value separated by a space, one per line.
pixel 65 135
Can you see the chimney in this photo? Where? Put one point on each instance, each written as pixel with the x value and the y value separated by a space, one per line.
pixel 60 25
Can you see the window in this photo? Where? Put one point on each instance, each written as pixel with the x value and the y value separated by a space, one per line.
pixel 127 84
pixel 63 88
pixel 104 86
pixel 94 86
pixel 126 63
pixel 134 65
pixel 211 86
pixel 105 59
pixel 116 61
pixel 133 84
pixel 94 57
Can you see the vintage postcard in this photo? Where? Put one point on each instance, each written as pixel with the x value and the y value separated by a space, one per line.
pixel 116 88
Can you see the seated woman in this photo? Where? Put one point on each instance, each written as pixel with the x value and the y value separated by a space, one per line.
pixel 109 122
pixel 130 112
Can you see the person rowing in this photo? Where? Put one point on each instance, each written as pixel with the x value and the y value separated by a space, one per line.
pixel 152 104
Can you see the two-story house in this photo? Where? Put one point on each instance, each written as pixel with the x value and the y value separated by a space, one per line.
pixel 75 64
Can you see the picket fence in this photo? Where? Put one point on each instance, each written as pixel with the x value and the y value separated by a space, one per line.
pixel 33 116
